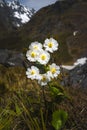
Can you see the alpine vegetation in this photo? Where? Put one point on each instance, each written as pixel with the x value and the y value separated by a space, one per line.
pixel 42 71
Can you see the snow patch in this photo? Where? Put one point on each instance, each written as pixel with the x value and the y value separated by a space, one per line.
pixel 75 33
pixel 24 18
pixel 18 25
pixel 17 15
pixel 80 62
pixel 68 67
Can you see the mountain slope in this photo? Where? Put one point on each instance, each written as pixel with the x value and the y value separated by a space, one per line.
pixel 13 14
pixel 19 12
pixel 66 21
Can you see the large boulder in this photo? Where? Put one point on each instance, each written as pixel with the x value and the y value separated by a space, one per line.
pixel 76 77
pixel 11 58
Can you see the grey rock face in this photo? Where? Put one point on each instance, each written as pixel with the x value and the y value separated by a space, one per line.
pixel 3 56
pixel 77 77
pixel 11 58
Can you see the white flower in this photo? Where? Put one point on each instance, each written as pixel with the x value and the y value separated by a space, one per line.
pixel 35 46
pixel 32 73
pixel 54 70
pixel 50 45
pixel 43 57
pixel 32 55
pixel 44 79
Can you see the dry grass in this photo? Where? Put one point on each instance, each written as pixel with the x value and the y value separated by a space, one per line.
pixel 14 79
pixel 76 108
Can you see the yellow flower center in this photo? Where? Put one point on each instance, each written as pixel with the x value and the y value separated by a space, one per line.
pixel 53 70
pixel 33 54
pixel 50 44
pixel 32 72
pixel 43 57
pixel 43 78
pixel 36 47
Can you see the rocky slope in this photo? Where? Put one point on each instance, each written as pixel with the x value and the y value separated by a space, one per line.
pixel 76 75
pixel 13 15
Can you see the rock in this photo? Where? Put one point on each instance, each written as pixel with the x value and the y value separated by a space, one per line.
pixel 16 59
pixel 3 56
pixel 11 58
pixel 77 77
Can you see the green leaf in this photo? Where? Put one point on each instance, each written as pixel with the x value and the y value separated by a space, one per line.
pixel 55 91
pixel 58 119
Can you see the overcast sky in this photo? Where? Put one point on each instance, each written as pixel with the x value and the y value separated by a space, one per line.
pixel 36 4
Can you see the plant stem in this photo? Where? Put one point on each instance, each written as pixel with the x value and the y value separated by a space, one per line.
pixel 44 98
pixel 46 106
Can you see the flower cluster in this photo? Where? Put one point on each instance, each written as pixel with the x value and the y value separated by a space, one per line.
pixel 40 54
